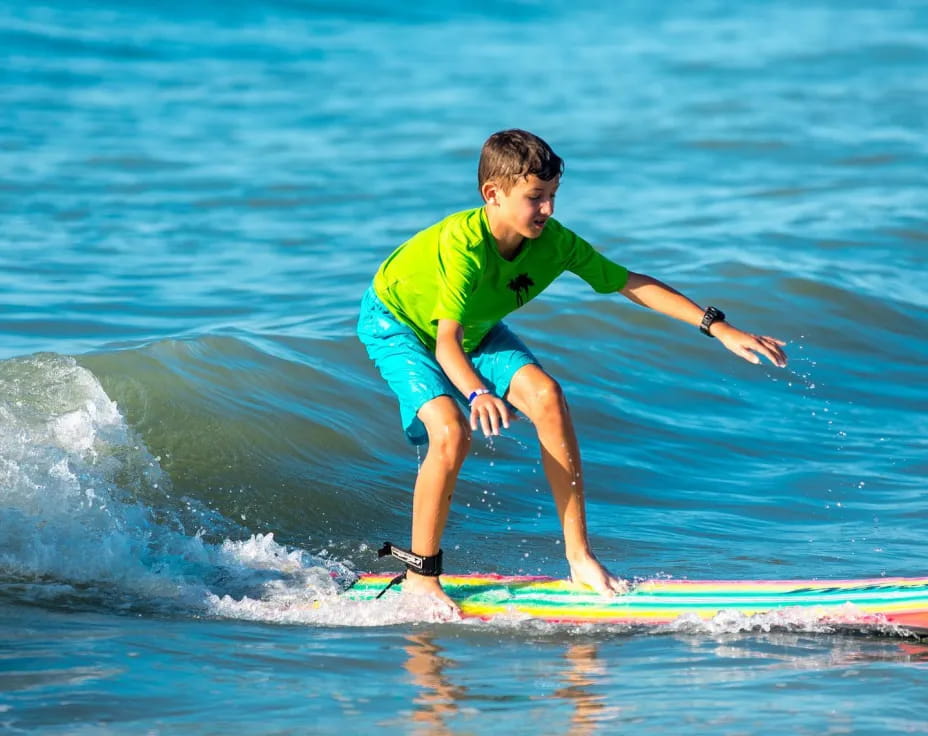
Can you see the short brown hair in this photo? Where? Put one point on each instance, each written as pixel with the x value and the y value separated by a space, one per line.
pixel 511 155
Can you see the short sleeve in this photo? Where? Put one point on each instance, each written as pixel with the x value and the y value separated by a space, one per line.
pixel 604 275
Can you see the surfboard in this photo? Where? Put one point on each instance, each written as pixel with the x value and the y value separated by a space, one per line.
pixel 874 604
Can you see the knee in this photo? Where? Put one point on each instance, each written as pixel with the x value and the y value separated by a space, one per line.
pixel 545 399
pixel 449 440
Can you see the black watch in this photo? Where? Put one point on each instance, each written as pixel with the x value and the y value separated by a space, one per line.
pixel 711 316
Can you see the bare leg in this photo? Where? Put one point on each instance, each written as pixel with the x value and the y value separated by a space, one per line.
pixel 539 397
pixel 449 442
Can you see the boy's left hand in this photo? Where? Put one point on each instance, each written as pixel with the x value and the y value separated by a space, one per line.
pixel 750 346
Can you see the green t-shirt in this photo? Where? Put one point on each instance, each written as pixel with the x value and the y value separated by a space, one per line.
pixel 453 270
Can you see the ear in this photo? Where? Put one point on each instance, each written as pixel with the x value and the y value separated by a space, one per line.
pixel 490 192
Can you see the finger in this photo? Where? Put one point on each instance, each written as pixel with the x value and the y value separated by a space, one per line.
pixel 772 353
pixel 773 340
pixel 484 424
pixel 767 353
pixel 774 344
pixel 745 352
pixel 756 346
pixel 504 414
pixel 494 420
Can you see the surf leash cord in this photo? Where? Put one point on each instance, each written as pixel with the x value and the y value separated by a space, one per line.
pixel 428 565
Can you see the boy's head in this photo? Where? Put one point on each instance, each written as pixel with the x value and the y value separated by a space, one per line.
pixel 510 156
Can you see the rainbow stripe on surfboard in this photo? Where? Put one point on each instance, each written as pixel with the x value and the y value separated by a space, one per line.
pixel 862 604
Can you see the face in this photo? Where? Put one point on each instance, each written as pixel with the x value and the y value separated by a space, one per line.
pixel 525 210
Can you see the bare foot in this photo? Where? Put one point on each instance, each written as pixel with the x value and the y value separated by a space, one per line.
pixel 430 586
pixel 589 571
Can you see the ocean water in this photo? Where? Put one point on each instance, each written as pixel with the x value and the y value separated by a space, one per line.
pixel 193 445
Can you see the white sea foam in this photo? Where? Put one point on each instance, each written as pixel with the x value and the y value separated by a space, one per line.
pixel 310 591
pixel 319 607
pixel 72 522
pixel 847 617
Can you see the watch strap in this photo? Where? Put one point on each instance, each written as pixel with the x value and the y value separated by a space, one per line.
pixel 711 316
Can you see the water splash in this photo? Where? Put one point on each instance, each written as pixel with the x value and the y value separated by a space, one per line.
pixel 87 517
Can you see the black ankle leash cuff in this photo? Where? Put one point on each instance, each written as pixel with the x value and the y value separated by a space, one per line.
pixel 428 565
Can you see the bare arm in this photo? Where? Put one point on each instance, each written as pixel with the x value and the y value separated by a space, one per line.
pixel 649 292
pixel 490 411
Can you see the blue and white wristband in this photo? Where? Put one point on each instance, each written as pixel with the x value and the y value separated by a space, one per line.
pixel 475 394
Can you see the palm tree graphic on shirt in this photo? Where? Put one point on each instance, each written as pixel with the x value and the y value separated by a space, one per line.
pixel 520 285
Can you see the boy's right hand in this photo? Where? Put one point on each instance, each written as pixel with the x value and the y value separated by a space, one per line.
pixel 491 413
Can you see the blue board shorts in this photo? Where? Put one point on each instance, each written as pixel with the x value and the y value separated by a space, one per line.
pixel 413 374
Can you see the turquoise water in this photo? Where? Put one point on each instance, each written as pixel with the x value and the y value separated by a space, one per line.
pixel 193 445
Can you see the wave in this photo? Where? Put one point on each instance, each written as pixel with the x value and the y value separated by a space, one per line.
pixel 89 517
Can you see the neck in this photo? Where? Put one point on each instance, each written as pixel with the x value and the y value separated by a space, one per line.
pixel 507 241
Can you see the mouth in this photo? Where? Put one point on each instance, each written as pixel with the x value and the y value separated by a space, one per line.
pixel 539 222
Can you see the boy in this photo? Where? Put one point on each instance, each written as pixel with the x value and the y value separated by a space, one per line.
pixel 431 322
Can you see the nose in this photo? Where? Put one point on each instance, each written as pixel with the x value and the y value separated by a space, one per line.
pixel 547 207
